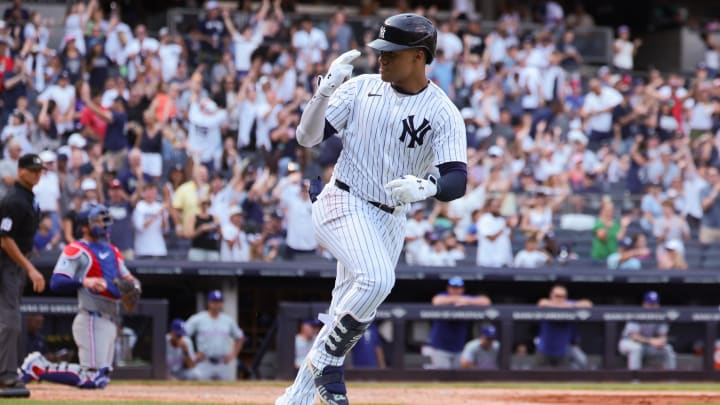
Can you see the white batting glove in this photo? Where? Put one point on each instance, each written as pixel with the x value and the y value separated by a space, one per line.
pixel 340 69
pixel 409 189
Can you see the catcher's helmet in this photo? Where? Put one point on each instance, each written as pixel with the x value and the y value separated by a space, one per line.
pixel 406 31
pixel 94 212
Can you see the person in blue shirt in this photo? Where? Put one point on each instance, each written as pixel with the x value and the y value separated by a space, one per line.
pixel 557 343
pixel 368 352
pixel 45 237
pixel 447 338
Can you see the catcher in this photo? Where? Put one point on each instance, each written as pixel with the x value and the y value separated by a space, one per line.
pixel 95 269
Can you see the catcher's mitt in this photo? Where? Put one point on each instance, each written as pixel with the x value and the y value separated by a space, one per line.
pixel 129 292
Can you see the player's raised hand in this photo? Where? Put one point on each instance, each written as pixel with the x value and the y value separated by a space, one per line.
pixel 409 189
pixel 340 70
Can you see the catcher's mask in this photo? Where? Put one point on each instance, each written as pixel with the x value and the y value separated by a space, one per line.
pixel 98 220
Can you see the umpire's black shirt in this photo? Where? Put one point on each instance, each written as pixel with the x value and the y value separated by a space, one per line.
pixel 19 217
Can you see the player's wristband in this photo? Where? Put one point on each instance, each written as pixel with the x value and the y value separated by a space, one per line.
pixel 452 183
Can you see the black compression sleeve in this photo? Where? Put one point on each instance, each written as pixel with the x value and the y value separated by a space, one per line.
pixel 329 130
pixel 452 182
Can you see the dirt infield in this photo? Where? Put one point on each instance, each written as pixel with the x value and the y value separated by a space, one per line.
pixel 433 394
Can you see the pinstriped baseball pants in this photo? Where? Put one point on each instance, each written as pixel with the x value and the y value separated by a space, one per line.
pixel 366 242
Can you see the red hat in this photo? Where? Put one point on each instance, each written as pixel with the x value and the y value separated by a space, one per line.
pixel 115 183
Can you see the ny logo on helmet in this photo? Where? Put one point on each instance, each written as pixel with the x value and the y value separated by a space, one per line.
pixel 416 134
pixel 382 32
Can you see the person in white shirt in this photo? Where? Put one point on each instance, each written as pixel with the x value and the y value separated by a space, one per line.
pixel 235 246
pixel 449 42
pixel 113 45
pixel 497 43
pixel 9 166
pixel 310 44
pixel 530 83
pixel 150 221
pixel 597 111
pixel 531 256
pixel 460 211
pixel 169 52
pixel 267 119
pixel 624 50
pixel 415 229
pixel 138 49
pixel 63 94
pixel 494 248
pixel 204 134
pixel 553 79
pixel 693 183
pixel 673 89
pixel 245 41
pixel 75 22
pixel 47 191
pixel 247 111
pixel 298 213
pixel 701 113
pixel 16 130
pixel 579 141
pixel 436 253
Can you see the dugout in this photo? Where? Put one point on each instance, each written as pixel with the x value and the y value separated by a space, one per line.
pixel 258 288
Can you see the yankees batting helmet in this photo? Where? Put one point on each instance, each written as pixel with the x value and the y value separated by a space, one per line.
pixel 407 31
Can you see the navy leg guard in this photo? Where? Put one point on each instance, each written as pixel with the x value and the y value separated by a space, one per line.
pixel 344 335
pixel 330 384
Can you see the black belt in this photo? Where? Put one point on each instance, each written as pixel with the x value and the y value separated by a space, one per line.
pixel 342 186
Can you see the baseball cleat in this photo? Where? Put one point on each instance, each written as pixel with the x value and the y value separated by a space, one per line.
pixel 330 384
pixel 31 368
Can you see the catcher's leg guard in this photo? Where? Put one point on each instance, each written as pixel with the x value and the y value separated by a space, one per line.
pixel 38 368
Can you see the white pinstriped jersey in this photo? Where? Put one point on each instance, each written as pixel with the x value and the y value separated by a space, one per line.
pixel 387 134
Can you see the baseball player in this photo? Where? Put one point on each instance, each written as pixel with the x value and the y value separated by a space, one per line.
pixel 219 340
pixel 482 353
pixel 396 127
pixel 644 340
pixel 89 266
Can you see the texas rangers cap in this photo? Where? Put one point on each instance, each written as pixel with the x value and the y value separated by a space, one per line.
pixel 178 326
pixel 30 161
pixel 312 322
pixel 488 331
pixel 456 282
pixel 215 295
pixel 651 297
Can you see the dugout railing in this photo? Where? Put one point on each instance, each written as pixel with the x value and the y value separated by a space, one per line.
pixel 151 314
pixel 314 267
pixel 612 319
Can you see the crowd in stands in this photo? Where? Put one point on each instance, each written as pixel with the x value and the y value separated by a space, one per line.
pixel 188 136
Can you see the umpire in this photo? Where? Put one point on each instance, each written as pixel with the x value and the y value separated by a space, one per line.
pixel 19 217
